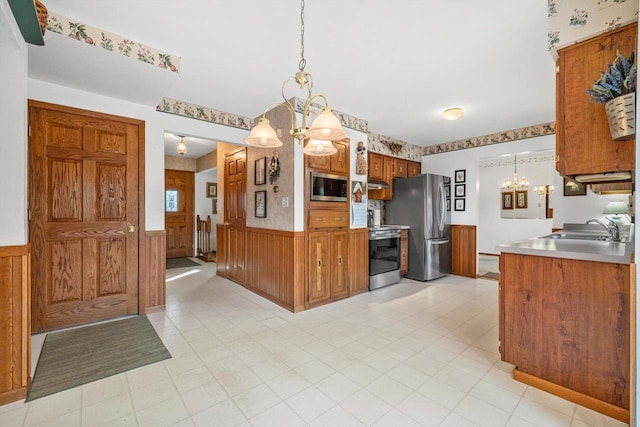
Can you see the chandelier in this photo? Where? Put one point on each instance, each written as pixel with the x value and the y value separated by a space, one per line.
pixel 324 129
pixel 182 147
pixel 515 183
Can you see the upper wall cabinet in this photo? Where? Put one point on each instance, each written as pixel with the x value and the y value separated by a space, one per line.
pixel 386 168
pixel 583 140
pixel 336 163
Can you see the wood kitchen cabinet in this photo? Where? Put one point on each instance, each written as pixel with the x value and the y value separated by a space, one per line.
pixel 376 170
pixel 387 176
pixel 400 168
pixel 404 252
pixel 413 169
pixel 336 163
pixel 583 140
pixel 463 250
pixel 565 325
pixel 327 266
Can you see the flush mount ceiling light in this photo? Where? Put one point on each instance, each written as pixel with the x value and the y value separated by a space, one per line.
pixel 182 147
pixel 326 127
pixel 452 113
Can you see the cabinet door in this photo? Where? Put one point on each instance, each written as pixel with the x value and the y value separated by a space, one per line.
pixel 387 164
pixel 339 271
pixel 413 169
pixel 583 140
pixel 319 162
pixel 400 168
pixel 340 160
pixel 404 252
pixel 375 166
pixel 319 267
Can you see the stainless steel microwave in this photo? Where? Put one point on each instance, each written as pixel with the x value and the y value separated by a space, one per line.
pixel 328 188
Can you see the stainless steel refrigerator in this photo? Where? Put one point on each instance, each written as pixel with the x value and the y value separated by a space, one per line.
pixel 420 203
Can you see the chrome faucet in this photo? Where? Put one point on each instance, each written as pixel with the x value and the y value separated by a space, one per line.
pixel 612 228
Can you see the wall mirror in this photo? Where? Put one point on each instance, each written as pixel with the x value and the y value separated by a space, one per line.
pixel 533 170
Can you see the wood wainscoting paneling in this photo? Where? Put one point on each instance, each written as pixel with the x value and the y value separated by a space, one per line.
pixel 221 251
pixel 358 260
pixel 275 266
pixel 152 294
pixel 463 250
pixel 15 322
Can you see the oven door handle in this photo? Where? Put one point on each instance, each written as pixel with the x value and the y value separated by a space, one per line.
pixel 385 236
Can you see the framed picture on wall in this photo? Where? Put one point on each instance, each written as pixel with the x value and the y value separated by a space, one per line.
pixel 261 204
pixel 261 171
pixel 522 199
pixel 447 190
pixel 448 205
pixel 459 204
pixel 447 180
pixel 212 189
pixel 460 176
pixel 573 188
pixel 460 190
pixel 507 200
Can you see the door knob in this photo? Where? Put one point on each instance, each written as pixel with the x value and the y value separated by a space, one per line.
pixel 131 229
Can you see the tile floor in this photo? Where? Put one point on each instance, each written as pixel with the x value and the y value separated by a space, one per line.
pixel 411 354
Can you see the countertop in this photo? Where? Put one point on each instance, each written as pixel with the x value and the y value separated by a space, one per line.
pixel 587 250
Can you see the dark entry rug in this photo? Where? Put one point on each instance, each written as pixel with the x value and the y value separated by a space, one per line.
pixel 490 276
pixel 180 262
pixel 80 356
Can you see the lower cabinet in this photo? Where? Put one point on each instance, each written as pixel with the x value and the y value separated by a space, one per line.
pixel 404 252
pixel 328 273
pixel 463 250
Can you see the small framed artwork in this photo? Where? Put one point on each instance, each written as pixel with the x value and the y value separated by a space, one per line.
pixel 459 205
pixel 448 205
pixel 507 200
pixel 460 176
pixel 261 204
pixel 447 179
pixel 573 188
pixel 521 199
pixel 214 206
pixel 460 190
pixel 261 171
pixel 447 190
pixel 212 189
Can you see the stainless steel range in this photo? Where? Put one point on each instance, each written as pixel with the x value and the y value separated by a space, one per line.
pixel 384 256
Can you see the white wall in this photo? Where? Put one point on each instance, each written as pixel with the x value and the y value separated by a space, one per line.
pixel 155 125
pixel 13 131
pixel 204 204
pixel 493 230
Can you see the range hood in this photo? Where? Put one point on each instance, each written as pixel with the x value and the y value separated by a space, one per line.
pixel 604 177
pixel 375 184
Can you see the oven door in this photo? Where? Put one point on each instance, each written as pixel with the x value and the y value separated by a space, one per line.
pixel 384 255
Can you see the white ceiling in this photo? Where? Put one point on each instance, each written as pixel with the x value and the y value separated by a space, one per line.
pixel 396 64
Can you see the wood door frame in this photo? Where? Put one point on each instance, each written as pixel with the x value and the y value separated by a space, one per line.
pixel 143 280
pixel 224 210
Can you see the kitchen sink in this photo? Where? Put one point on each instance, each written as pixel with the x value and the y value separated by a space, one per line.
pixel 583 236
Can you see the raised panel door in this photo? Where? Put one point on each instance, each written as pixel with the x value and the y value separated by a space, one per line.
pixel 83 198
pixel 235 177
pixel 319 267
pixel 413 169
pixel 400 168
pixel 404 252
pixel 319 162
pixel 376 169
pixel 179 213
pixel 339 262
pixel 340 160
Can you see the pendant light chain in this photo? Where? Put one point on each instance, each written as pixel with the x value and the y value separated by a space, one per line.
pixel 303 62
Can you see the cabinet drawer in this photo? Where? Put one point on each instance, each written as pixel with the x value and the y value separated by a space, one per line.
pixel 328 219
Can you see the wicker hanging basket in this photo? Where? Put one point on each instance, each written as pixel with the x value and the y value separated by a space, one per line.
pixel 621 112
pixel 43 14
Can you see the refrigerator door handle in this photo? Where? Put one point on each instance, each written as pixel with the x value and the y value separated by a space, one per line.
pixel 443 205
pixel 439 241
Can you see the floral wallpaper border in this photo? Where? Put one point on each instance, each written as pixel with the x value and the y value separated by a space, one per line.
pixel 388 146
pixel 523 159
pixel 193 111
pixel 570 21
pixel 495 138
pixel 88 34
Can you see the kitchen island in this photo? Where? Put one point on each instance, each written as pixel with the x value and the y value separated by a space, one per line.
pixel 565 318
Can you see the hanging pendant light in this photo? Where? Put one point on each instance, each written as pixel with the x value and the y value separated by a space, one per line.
pixel 319 147
pixel 515 183
pixel 182 147
pixel 326 127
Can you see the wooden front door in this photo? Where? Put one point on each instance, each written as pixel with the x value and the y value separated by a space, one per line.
pixel 179 212
pixel 83 206
pixel 235 195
